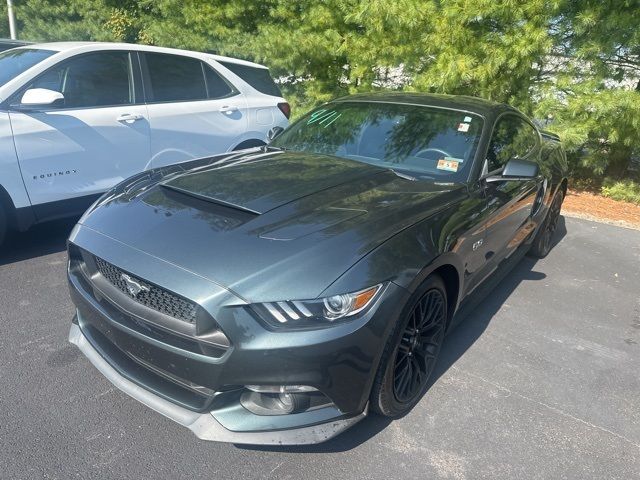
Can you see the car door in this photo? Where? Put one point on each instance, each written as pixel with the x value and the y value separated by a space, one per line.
pixel 193 111
pixel 97 137
pixel 509 203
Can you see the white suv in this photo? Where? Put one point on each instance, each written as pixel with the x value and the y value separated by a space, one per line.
pixel 77 118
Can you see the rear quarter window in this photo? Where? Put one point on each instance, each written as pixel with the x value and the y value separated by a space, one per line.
pixel 258 78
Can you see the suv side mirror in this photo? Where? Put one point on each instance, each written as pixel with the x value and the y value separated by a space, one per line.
pixel 274 132
pixel 516 170
pixel 40 97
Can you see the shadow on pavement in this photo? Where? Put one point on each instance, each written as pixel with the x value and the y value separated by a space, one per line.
pixel 474 319
pixel 43 239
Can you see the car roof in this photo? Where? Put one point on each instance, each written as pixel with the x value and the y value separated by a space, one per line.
pixel 82 47
pixel 477 105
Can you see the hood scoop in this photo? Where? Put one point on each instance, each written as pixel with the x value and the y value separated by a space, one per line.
pixel 262 182
pixel 205 198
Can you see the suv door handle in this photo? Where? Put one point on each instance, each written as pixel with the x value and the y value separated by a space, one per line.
pixel 129 117
pixel 228 109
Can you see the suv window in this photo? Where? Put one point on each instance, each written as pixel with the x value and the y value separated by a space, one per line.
pixel 92 80
pixel 258 78
pixel 512 138
pixel 175 79
pixel 217 87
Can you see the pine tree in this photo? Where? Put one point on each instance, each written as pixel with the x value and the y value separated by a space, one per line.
pixel 574 64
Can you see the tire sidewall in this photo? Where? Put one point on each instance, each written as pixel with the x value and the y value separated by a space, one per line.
pixel 383 395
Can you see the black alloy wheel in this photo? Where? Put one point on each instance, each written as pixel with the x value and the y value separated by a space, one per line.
pixel 544 240
pixel 411 353
pixel 419 346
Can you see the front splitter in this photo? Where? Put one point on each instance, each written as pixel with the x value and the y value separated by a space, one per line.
pixel 204 425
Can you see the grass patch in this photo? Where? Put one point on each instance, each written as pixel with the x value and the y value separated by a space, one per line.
pixel 624 190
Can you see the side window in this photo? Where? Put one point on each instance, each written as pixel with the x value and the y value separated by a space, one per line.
pixel 258 78
pixel 174 78
pixel 512 138
pixel 93 80
pixel 217 87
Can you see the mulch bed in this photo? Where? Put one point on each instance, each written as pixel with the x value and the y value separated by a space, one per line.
pixel 591 206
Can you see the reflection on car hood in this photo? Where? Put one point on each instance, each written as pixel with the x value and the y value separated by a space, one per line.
pixel 277 225
pixel 266 181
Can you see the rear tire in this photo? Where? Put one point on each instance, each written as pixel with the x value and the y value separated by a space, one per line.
pixel 543 242
pixel 411 352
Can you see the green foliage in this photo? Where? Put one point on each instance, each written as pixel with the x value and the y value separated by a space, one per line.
pixel 4 25
pixel 600 127
pixel 574 63
pixel 593 91
pixel 625 190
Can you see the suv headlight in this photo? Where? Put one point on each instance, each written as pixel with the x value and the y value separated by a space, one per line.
pixel 315 313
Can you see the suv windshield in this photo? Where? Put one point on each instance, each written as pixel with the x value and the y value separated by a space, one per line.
pixel 420 140
pixel 18 60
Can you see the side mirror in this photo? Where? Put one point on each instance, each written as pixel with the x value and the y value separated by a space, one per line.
pixel 40 97
pixel 274 132
pixel 516 170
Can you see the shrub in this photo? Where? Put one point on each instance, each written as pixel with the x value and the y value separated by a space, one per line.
pixel 625 190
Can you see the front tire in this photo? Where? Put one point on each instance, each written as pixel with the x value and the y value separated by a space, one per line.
pixel 411 352
pixel 543 242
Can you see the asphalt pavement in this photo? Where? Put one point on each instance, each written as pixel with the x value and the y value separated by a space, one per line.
pixel 540 381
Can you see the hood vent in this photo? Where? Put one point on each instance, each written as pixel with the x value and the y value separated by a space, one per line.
pixel 206 198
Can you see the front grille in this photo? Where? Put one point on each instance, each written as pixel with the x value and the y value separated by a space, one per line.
pixel 148 295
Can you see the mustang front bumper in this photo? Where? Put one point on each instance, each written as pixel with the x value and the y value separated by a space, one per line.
pixel 198 377
pixel 205 425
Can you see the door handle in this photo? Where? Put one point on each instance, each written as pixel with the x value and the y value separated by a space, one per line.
pixel 228 109
pixel 129 117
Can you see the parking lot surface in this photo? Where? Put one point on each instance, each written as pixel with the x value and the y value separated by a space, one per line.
pixel 540 381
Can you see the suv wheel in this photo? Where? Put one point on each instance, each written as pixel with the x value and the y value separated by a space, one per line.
pixel 249 144
pixel 411 352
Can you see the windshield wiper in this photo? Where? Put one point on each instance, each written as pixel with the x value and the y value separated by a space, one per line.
pixel 403 175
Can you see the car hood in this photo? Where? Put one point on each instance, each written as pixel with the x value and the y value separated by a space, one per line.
pixel 269 225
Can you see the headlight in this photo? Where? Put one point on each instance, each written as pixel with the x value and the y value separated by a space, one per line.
pixel 310 313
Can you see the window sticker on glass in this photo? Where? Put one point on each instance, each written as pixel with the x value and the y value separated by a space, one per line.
pixel 323 117
pixel 467 119
pixel 463 127
pixel 448 165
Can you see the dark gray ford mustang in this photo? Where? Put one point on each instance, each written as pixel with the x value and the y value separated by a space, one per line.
pixel 275 295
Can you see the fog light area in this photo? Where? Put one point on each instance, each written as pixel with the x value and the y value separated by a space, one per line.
pixel 282 400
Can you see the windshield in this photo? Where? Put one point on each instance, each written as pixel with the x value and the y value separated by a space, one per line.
pixel 18 60
pixel 419 140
